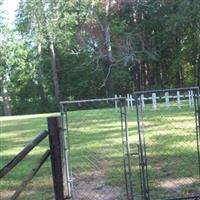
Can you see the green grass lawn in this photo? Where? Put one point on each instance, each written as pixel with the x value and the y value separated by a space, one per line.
pixel 15 133
pixel 96 153
pixel 171 146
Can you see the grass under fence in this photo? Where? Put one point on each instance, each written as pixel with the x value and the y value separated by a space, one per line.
pixel 15 133
pixel 96 147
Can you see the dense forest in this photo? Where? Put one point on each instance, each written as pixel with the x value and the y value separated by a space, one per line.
pixel 80 49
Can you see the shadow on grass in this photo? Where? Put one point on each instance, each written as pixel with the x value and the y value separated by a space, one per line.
pixel 15 135
pixel 95 140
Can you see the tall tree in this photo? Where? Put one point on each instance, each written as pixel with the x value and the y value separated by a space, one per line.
pixel 46 21
pixel 3 67
pixel 12 63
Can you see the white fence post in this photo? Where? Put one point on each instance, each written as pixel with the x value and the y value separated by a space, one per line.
pixel 143 104
pixel 167 100
pixel 154 101
pixel 128 101
pixel 116 105
pixel 191 98
pixel 131 101
pixel 178 99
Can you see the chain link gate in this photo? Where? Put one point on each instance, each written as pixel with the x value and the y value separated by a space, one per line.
pixel 169 143
pixel 97 149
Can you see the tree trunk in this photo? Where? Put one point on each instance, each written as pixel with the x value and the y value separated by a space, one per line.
pixel 146 75
pixel 108 47
pixel 40 74
pixel 5 96
pixel 134 15
pixel 197 64
pixel 137 70
pixel 41 93
pixel 51 51
pixel 136 73
pixel 54 71
pixel 197 71
pixel 107 33
pixel 181 76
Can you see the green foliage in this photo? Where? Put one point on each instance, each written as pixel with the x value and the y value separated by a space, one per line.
pixel 157 41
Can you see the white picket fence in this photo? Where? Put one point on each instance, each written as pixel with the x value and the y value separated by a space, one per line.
pixel 153 98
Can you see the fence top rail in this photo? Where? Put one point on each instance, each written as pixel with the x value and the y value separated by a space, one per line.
pixel 166 90
pixel 92 100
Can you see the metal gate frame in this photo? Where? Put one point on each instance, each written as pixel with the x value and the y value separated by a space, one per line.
pixel 125 144
pixel 143 164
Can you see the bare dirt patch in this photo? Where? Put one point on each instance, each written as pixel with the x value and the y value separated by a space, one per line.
pixel 177 183
pixel 95 187
pixel 6 194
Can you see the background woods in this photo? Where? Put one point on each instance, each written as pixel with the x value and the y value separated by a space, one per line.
pixel 79 49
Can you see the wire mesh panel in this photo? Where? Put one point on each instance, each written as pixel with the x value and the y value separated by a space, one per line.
pixel 169 144
pixel 98 146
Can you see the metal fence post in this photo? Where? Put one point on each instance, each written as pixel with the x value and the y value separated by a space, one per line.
pixel 65 139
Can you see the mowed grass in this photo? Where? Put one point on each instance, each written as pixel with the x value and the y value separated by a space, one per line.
pixel 15 133
pixel 96 152
pixel 171 146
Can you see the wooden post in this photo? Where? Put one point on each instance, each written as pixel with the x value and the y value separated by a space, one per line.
pixel 57 157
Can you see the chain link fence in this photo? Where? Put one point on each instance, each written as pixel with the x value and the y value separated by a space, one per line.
pixel 169 158
pixel 160 160
pixel 99 150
